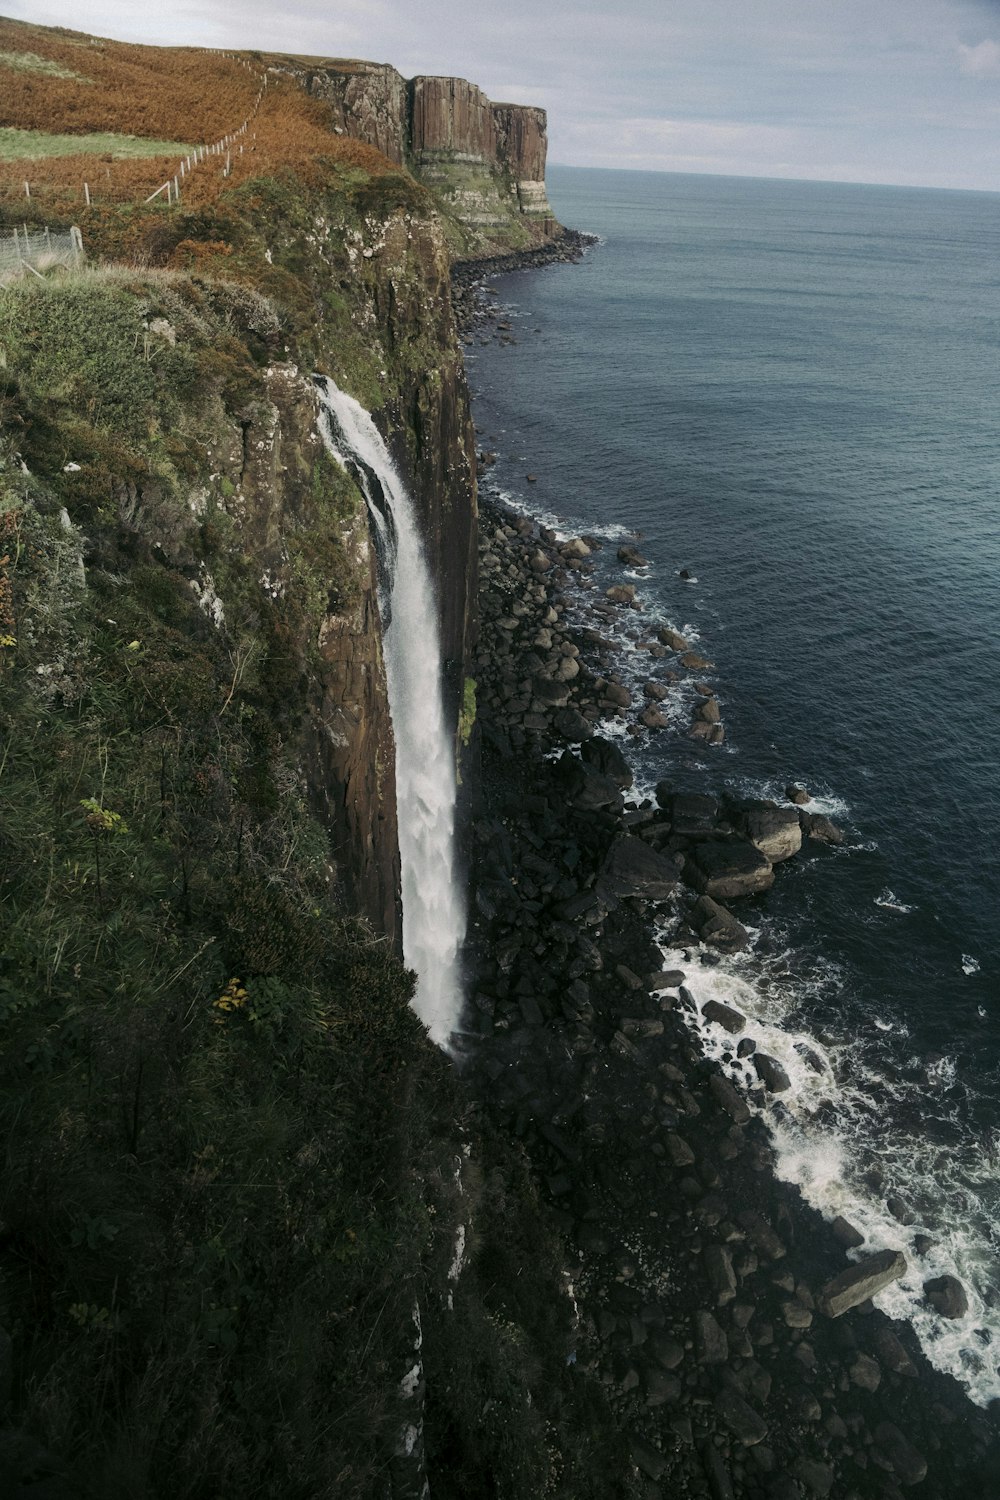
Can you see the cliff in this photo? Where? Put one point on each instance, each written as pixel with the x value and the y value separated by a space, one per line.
pixel 484 161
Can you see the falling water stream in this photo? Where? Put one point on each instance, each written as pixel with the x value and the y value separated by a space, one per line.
pixel 433 913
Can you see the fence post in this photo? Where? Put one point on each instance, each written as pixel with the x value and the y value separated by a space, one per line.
pixel 177 192
pixel 27 191
pixel 86 194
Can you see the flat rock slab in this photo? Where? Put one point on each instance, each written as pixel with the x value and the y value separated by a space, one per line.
pixel 724 868
pixel 606 758
pixel 691 814
pixel 587 788
pixel 859 1282
pixel 907 1464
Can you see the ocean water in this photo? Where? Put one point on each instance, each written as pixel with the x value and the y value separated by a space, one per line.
pixel 790 390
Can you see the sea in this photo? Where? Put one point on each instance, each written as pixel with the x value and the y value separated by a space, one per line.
pixel 789 391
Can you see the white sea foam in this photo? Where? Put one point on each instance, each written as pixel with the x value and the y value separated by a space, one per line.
pixel 891 902
pixel 970 965
pixel 433 915
pixel 841 1134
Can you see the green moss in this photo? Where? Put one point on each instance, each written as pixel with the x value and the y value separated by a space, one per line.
pixel 467 713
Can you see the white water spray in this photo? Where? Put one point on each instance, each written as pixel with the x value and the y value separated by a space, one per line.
pixel 433 915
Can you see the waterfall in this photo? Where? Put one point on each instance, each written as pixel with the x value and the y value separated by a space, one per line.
pixel 433 914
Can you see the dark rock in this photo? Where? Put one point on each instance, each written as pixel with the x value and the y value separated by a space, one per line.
pixel 741 1418
pixel 771 1074
pixel 549 693
pixel 861 1281
pixel 729 1098
pixel 817 1478
pixel 585 787
pixel 679 1151
pixel 719 1270
pixel 661 1388
pixel 669 979
pixel 797 794
pixel 653 718
pixel 892 1354
pixel 947 1295
pixel 658 691
pixel 672 638
pixel 904 1460
pixel 571 725
pixel 606 758
pixel 724 1016
pixel 900 1209
pixel 865 1372
pixel 666 1350
pixel 716 1473
pixel 717 926
pixel 633 868
pixel 708 712
pixel 728 867
pixel 631 557
pixel 761 1235
pixel 846 1233
pixel 621 593
pixel 691 814
pixel 818 826
pixel 646 1458
pixel 747 1047
pixel 696 663
pixel 710 1341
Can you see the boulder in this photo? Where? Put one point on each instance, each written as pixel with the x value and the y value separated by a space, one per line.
pixel 900 1209
pixel 708 712
pixel 710 1340
pixel 571 725
pixel 719 1270
pixel 739 1416
pixel 729 1098
pixel 549 693
pixel 846 1233
pixel 633 868
pixel 585 787
pixel 696 663
pixel 616 694
pixel 657 691
pixel 909 1466
pixel 691 814
pixel 775 831
pixel 771 1074
pixel 621 593
pixel 818 826
pixel 728 867
pixel 717 926
pixel 575 549
pixel 672 638
pixel 859 1282
pixel 653 718
pixel 606 758
pixel 947 1295
pixel 631 557
pixel 796 793
pixel 723 1015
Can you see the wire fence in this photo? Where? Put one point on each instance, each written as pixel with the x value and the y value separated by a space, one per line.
pixel 38 250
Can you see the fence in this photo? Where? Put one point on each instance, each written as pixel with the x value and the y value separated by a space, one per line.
pixel 31 249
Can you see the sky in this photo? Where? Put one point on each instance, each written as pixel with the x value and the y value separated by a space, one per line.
pixel 889 91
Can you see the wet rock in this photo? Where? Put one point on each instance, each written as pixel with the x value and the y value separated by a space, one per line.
pixel 892 1354
pixel 696 663
pixel 679 1151
pixel 846 1233
pixel 861 1281
pixel 666 1350
pixel 657 691
pixel 633 868
pixel 724 1016
pixel 631 557
pixel 617 695
pixel 672 638
pixel 729 1098
pixel 797 794
pixel 661 1388
pixel 606 758
pixel 947 1295
pixel 717 926
pixel 796 1315
pixel 549 693
pixel 900 1209
pixel 653 718
pixel 575 549
pixel 775 831
pixel 771 1074
pixel 710 1341
pixel 708 712
pixel 621 593
pixel 747 1047
pixel 741 1418
pixel 899 1453
pixel 818 826
pixel 728 867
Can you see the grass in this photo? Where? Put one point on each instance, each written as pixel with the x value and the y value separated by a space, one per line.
pixel 35 145
pixel 30 62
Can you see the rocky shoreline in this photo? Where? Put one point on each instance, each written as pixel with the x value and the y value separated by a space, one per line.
pixel 736 1344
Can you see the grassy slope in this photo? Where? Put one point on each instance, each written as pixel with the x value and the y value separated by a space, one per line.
pixel 229 1151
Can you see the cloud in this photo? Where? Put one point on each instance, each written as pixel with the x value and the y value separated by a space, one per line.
pixel 982 61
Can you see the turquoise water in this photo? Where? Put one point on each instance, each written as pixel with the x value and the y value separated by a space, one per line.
pixel 791 389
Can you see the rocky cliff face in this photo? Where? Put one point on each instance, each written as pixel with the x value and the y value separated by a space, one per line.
pixel 486 161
